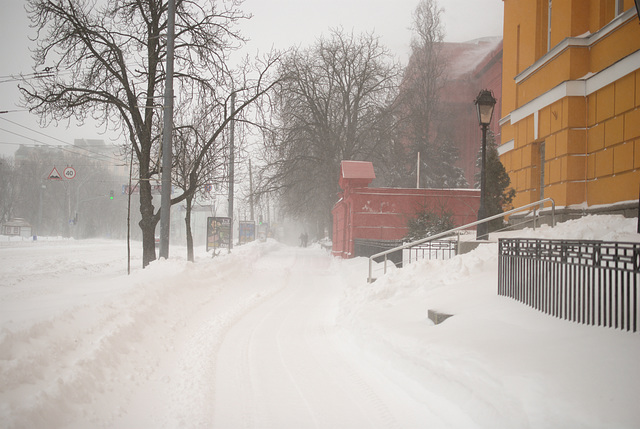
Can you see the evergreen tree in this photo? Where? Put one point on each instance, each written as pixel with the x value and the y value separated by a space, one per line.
pixel 424 119
pixel 428 222
pixel 498 195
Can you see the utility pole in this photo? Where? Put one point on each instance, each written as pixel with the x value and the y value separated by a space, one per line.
pixel 251 191
pixel 167 153
pixel 418 172
pixel 231 168
pixel 129 215
pixel 40 228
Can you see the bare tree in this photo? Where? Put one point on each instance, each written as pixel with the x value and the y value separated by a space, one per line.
pixel 424 127
pixel 331 106
pixel 189 144
pixel 207 155
pixel 105 60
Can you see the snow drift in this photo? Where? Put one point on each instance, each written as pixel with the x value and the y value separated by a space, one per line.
pixel 276 336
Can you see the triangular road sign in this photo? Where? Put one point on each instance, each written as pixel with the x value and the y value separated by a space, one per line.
pixel 54 175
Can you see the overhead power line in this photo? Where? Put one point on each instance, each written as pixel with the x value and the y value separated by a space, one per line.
pixel 92 154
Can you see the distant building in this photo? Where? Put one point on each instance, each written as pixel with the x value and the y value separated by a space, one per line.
pixel 471 67
pixel 17 227
pixel 27 153
pixel 94 150
pixel 468 68
pixel 106 155
pixel 570 101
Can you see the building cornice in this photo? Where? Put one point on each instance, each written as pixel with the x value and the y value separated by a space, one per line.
pixel 577 42
pixel 577 88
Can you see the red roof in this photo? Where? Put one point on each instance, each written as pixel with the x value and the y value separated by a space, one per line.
pixel 357 170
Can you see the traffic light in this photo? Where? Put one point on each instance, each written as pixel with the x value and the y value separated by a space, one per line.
pixel 260 220
pixel 111 195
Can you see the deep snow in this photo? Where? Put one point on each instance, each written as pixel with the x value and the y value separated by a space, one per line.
pixel 272 336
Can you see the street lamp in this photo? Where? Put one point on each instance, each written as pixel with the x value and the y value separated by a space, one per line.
pixel 484 106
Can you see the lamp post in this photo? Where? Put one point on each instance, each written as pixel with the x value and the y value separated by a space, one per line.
pixel 484 105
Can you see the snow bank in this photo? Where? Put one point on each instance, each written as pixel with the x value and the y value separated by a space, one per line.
pixel 504 364
pixel 84 345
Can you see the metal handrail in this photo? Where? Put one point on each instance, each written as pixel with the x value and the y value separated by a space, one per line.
pixel 442 234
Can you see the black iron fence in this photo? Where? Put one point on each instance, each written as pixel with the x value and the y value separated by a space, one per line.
pixel 386 254
pixel 436 249
pixel 590 282
pixel 368 247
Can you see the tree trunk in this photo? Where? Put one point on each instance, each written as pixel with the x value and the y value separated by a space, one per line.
pixel 148 221
pixel 187 221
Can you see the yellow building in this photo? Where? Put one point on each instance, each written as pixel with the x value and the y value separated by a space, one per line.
pixel 570 126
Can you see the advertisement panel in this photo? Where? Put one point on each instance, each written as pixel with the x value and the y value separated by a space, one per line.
pixel 218 232
pixel 263 231
pixel 247 231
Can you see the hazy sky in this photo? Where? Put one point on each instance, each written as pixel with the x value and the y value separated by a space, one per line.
pixel 278 23
pixel 292 22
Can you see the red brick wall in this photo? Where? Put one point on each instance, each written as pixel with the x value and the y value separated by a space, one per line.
pixel 383 213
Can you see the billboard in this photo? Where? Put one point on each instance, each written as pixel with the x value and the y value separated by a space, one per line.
pixel 246 231
pixel 263 231
pixel 218 232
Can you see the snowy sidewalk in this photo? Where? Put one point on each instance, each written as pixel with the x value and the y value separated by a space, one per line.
pixel 244 340
pixel 272 336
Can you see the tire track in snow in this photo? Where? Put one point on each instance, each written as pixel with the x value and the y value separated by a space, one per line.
pixel 194 397
pixel 247 380
pixel 324 353
pixel 298 376
pixel 337 365
pixel 256 417
pixel 195 392
pixel 292 378
pixel 238 373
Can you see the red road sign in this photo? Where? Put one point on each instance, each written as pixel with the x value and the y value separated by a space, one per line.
pixel 69 172
pixel 54 175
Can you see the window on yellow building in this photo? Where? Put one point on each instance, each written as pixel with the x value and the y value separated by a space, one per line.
pixel 518 68
pixel 549 26
pixel 541 169
pixel 609 9
pixel 543 27
pixel 542 162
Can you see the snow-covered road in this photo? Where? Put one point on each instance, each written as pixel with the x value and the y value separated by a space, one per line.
pixel 248 340
pixel 272 336
pixel 288 350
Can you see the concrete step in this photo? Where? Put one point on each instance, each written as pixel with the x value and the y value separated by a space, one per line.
pixel 437 316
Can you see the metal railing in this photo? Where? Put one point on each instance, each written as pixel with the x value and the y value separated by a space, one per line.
pixel 585 281
pixel 535 206
pixel 435 249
